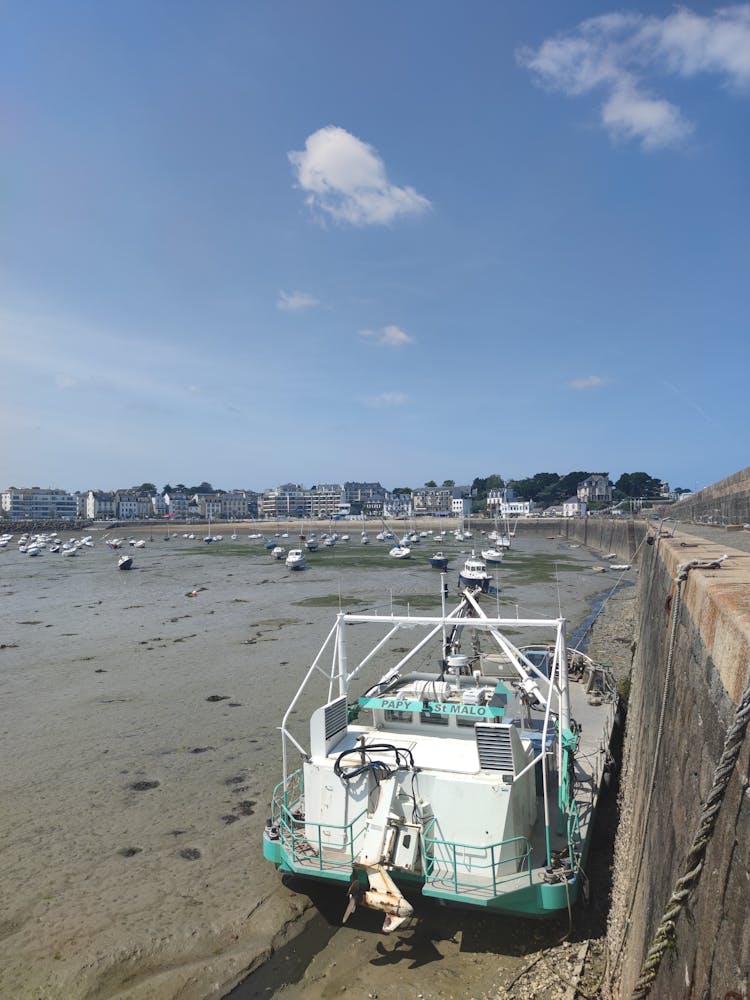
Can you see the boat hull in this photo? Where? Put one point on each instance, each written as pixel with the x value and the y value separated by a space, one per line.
pixel 471 581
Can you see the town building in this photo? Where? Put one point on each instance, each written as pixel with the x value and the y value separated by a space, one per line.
pixel 574 507
pixel 595 488
pixel 35 504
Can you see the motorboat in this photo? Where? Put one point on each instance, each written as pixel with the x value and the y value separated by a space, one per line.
pixel 125 562
pixel 474 574
pixel 473 777
pixel 278 552
pixel 295 559
pixel 493 555
pixel 439 561
pixel 311 544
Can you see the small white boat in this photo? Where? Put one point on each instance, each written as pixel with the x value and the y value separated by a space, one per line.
pixel 439 561
pixel 140 544
pixel 400 551
pixel 493 555
pixel 295 559
pixel 278 551
pixel 311 544
pixel 125 562
pixel 474 574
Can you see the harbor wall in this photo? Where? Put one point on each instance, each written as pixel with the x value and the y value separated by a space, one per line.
pixel 725 502
pixel 679 712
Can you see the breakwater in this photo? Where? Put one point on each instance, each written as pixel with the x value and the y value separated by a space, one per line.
pixel 674 856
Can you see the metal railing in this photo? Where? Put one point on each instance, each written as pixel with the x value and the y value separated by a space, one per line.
pixel 479 888
pixel 303 840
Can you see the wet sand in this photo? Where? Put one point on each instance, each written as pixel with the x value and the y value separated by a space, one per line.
pixel 138 730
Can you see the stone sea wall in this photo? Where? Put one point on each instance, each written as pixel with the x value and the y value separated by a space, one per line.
pixel 678 716
pixel 725 502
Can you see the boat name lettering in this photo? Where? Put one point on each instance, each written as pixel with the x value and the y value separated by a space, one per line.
pixel 435 707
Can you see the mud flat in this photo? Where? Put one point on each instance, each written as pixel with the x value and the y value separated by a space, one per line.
pixel 138 716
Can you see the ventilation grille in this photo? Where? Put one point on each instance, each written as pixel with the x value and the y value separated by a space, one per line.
pixel 493 746
pixel 335 717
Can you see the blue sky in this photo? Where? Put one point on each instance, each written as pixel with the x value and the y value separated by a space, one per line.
pixel 254 243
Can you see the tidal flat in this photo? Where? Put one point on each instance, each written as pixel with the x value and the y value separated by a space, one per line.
pixel 138 722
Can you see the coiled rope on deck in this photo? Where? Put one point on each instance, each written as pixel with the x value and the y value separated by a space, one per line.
pixel 664 936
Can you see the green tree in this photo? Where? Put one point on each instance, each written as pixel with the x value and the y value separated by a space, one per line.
pixel 480 488
pixel 637 485
pixel 146 488
pixel 541 487
pixel 403 489
pixel 448 484
pixel 431 484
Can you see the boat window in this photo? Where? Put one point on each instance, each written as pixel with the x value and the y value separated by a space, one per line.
pixel 393 715
pixel 433 718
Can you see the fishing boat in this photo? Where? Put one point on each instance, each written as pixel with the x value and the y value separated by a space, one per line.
pixel 473 777
pixel 125 562
pixel 439 561
pixel 295 559
pixel 474 574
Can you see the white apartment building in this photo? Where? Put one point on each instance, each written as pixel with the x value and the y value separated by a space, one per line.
pixel 574 507
pixel 34 503
pixel 434 500
pixel 101 505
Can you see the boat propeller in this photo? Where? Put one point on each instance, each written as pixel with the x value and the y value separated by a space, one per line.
pixel 382 894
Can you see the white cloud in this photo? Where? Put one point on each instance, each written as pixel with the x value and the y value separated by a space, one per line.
pixel 621 53
pixel 388 399
pixel 346 179
pixel 589 382
pixel 294 301
pixel 388 336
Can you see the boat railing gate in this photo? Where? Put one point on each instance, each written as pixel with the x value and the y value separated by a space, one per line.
pixel 287 812
pixel 453 849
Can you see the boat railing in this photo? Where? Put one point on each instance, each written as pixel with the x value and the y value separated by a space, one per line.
pixel 474 869
pixel 575 839
pixel 308 844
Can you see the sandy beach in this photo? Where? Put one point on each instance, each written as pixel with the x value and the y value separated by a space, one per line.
pixel 138 724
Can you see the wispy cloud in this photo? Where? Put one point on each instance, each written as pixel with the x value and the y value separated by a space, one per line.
pixel 346 179
pixel 622 54
pixel 388 399
pixel 589 382
pixel 295 301
pixel 388 336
